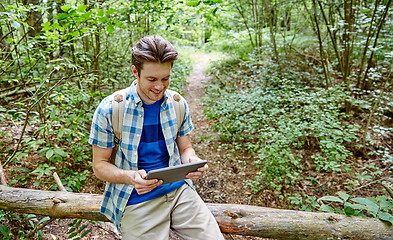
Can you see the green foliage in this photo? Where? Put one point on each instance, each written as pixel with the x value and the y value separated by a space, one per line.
pixel 26 226
pixel 308 204
pixel 6 234
pixel 181 69
pixel 77 231
pixel 42 170
pixel 20 176
pixel 279 123
pixel 377 207
pixel 73 180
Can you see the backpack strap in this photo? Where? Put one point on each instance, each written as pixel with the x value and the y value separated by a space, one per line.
pixel 178 104
pixel 118 105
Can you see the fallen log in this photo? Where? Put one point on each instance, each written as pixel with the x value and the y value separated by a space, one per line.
pixel 232 218
pixel 289 224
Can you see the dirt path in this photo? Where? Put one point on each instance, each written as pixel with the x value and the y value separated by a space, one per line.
pixel 228 171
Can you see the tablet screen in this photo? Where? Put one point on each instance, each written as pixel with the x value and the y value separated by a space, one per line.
pixel 175 173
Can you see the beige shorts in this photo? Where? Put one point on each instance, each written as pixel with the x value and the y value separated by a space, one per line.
pixel 182 210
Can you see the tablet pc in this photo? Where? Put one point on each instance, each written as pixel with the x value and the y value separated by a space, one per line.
pixel 175 173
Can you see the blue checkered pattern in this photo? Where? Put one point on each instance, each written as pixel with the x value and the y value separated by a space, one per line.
pixel 102 135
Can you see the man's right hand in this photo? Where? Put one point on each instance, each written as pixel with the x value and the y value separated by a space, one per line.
pixel 142 185
pixel 107 171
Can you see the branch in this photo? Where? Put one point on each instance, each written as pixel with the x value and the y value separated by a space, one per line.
pixel 232 218
pixel 58 182
pixel 2 177
pixel 388 189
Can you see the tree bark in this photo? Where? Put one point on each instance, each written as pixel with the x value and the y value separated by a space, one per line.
pixel 367 83
pixel 50 203
pixel 324 61
pixel 272 28
pixel 241 12
pixel 34 18
pixel 232 218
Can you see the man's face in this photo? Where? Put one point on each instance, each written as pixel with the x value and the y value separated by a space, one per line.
pixel 152 81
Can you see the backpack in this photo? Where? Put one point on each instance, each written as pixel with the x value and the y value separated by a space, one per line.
pixel 118 106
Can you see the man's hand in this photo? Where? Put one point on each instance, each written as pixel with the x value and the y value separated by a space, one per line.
pixel 187 155
pixel 142 185
pixel 200 172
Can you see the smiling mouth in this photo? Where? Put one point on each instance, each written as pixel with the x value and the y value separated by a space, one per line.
pixel 156 93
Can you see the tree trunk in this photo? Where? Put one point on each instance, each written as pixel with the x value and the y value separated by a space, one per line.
pixel 34 19
pixel 349 15
pixel 324 61
pixel 367 44
pixel 232 218
pixel 241 12
pixel 272 28
pixel 332 37
pixel 367 83
pixel 50 203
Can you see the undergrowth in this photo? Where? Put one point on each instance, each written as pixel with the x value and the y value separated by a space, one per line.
pixel 279 122
pixel 291 125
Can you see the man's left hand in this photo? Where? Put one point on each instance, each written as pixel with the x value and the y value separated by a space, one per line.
pixel 200 172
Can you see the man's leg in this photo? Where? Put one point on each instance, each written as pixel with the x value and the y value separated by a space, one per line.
pixel 146 221
pixel 191 219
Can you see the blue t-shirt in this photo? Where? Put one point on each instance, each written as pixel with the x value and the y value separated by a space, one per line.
pixel 152 153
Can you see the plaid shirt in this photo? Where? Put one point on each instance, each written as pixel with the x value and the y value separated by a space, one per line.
pixel 102 135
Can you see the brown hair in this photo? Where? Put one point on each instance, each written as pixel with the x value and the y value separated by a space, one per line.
pixel 153 48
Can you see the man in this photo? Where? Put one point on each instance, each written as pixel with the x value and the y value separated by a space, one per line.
pixel 140 208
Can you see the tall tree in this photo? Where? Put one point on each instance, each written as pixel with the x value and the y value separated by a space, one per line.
pixel 34 17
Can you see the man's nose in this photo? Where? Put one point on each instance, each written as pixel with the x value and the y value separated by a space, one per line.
pixel 159 85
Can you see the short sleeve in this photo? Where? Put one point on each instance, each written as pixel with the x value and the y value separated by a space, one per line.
pixel 186 126
pixel 101 132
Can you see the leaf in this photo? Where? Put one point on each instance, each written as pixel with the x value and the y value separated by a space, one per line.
pixel 44 220
pixel 71 230
pixel 343 196
pixel 110 28
pixel 100 12
pixel 326 208
pixel 85 233
pixel 386 205
pixel 384 216
pixel 62 16
pixel 47 28
pixel 65 8
pixel 372 207
pixel 82 8
pixel 49 153
pixel 110 11
pixel 365 201
pixel 331 199
pixel 359 206
pixel 72 235
pixel 82 228
pixel 193 3
pixel 349 209
pixel 61 152
pixel 103 19
pixel 4 230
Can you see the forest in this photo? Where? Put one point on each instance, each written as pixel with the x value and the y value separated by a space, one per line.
pixel 298 104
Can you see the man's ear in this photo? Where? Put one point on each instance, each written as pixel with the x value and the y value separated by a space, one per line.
pixel 135 71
